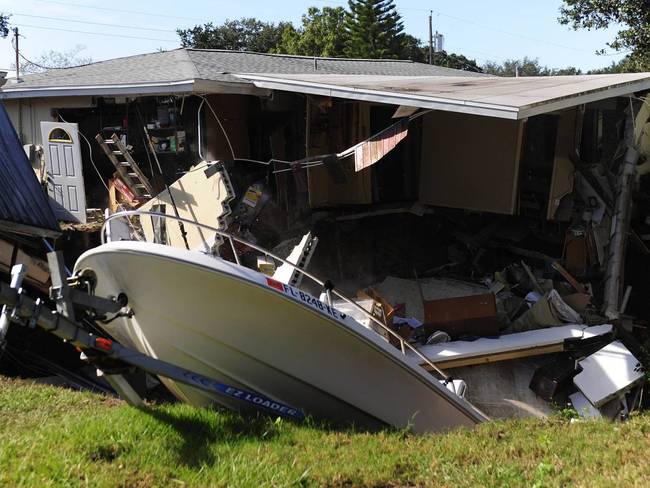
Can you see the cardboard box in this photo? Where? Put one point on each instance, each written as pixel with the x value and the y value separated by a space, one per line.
pixel 472 315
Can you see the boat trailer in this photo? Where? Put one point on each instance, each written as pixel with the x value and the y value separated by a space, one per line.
pixel 111 357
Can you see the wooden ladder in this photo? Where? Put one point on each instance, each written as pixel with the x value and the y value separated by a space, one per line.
pixel 126 167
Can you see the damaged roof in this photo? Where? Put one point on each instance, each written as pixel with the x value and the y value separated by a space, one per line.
pixel 24 207
pixel 201 70
pixel 509 98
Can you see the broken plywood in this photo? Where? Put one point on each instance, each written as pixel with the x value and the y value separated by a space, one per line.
pixel 201 195
pixel 470 162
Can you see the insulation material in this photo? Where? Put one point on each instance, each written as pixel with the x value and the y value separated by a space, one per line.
pixel 369 152
pixel 470 162
pixel 203 195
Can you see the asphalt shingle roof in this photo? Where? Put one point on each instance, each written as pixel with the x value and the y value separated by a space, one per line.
pixel 218 65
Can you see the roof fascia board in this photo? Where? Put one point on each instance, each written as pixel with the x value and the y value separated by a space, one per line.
pixel 185 86
pixel 242 88
pixel 602 94
pixel 436 103
pixel 28 230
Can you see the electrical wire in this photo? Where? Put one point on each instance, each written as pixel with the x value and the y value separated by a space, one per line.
pixel 123 36
pixel 90 151
pixel 111 9
pixel 225 134
pixel 104 24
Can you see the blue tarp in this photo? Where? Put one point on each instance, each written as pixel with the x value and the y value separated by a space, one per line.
pixel 24 205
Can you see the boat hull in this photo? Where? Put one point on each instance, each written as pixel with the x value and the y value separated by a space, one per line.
pixel 241 328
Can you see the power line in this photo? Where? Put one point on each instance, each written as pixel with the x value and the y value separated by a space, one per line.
pixel 472 22
pixel 121 26
pixel 110 9
pixel 96 33
pixel 532 39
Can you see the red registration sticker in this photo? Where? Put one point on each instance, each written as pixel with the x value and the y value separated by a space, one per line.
pixel 275 284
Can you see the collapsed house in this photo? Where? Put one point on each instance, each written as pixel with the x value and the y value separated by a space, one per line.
pixel 458 206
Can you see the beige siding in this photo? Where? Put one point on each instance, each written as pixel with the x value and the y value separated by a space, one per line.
pixel 37 110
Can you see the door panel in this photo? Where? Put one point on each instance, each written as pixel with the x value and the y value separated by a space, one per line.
pixel 64 168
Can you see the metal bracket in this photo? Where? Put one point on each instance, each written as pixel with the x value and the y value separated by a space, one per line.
pixel 18 273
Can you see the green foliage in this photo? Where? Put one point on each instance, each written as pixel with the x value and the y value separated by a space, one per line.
pixel 322 34
pixel 415 50
pixel 374 30
pixel 526 67
pixel 55 59
pixel 632 16
pixel 58 437
pixel 246 34
pixel 4 25
pixel 456 61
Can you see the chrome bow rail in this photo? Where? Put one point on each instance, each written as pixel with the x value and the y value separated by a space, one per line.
pixel 404 345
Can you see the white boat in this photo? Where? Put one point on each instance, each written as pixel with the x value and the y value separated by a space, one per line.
pixel 240 327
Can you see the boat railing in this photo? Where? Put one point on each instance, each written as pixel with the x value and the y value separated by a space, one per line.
pixel 404 345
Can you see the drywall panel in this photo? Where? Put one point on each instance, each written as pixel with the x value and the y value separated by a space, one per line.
pixel 607 373
pixel 470 162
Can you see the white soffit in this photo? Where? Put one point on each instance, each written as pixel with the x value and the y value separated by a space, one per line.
pixel 508 98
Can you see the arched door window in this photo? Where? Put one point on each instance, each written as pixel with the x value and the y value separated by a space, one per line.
pixel 59 135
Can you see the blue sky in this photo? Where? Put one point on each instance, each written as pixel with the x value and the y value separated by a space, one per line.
pixel 494 30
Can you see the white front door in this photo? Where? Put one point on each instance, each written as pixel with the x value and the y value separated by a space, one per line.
pixel 64 169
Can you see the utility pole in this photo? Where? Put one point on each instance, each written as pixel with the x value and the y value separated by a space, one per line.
pixel 431 37
pixel 17 55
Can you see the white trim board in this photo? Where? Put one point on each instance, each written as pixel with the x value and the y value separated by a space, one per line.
pixel 520 341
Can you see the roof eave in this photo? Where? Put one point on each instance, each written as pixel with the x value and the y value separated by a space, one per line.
pixel 613 91
pixel 391 98
pixel 135 89
pixel 447 104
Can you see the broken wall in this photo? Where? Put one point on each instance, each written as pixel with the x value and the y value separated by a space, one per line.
pixel 470 162
pixel 333 129
pixel 235 112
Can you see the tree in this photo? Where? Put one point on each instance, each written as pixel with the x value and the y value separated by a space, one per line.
pixel 632 15
pixel 4 25
pixel 526 67
pixel 622 66
pixel 54 59
pixel 456 61
pixel 374 29
pixel 246 34
pixel 415 50
pixel 322 34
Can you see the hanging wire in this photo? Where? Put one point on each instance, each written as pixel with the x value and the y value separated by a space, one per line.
pixel 225 134
pixel 90 152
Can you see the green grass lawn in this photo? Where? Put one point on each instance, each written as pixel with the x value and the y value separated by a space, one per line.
pixel 57 437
